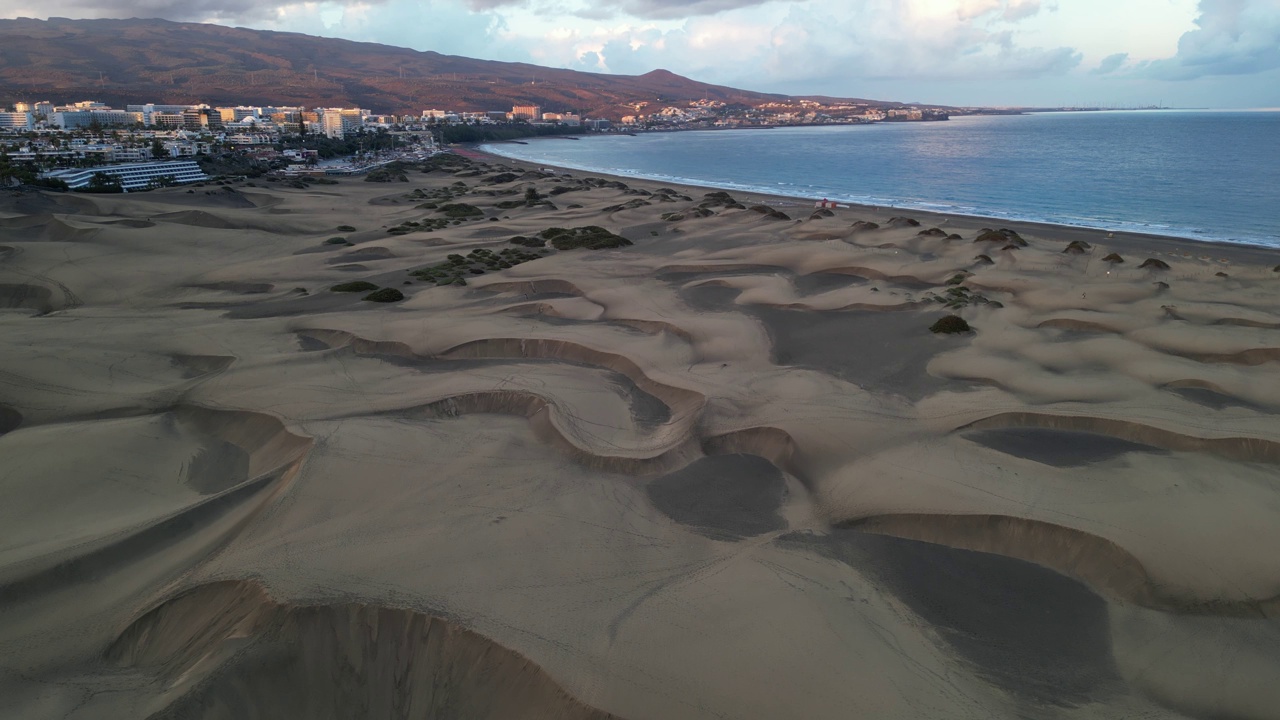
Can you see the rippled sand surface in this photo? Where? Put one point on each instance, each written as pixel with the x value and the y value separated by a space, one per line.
pixel 724 472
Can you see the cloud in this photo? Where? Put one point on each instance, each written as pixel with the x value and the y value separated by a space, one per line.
pixel 823 43
pixel 1110 64
pixel 1007 10
pixel 674 9
pixel 481 5
pixel 446 27
pixel 640 9
pixel 1232 37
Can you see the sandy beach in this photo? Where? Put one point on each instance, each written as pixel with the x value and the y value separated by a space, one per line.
pixel 714 464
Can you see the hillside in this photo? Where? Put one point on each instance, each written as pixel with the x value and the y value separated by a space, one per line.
pixel 119 61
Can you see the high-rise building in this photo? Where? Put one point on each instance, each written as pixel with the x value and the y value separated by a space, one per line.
pixel 331 124
pixel 339 122
pixel 526 112
pixel 166 120
pixel 16 120
pixel 202 117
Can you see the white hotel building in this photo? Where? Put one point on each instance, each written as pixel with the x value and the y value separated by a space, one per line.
pixel 16 121
pixel 134 176
pixel 339 122
pixel 72 119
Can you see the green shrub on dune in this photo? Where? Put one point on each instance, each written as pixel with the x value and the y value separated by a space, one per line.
pixel 476 262
pixel 590 237
pixel 357 286
pixel 385 295
pixel 770 212
pixel 391 172
pixel 950 324
pixel 460 210
pixel 1003 235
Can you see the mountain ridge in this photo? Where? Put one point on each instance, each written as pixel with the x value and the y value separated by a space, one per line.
pixel 147 60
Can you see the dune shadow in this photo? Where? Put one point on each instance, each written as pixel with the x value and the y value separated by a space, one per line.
pixel 725 497
pixel 25 296
pixel 1059 448
pixel 10 419
pixel 1042 637
pixel 879 350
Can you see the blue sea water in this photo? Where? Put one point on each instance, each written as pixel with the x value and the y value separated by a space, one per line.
pixel 1197 174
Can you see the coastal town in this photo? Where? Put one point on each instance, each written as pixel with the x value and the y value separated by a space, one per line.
pixel 93 146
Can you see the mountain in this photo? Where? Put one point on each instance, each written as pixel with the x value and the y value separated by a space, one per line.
pixel 135 61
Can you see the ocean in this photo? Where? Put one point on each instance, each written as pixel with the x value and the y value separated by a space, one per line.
pixel 1207 175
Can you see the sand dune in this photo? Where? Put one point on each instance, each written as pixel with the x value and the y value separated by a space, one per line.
pixel 225 458
pixel 243 656
pixel 724 471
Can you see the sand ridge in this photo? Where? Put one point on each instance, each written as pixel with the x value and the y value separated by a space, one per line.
pixel 724 471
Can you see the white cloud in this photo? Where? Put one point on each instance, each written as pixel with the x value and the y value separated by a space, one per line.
pixel 1111 63
pixel 1232 37
pixel 1008 10
pixel 822 42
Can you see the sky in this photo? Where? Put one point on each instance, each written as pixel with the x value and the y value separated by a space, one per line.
pixel 1181 53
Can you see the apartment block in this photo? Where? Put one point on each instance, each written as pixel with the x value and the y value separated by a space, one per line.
pixel 526 112
pixel 21 120
pixel 134 176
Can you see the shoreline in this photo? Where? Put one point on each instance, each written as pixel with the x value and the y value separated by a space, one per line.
pixel 1133 241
